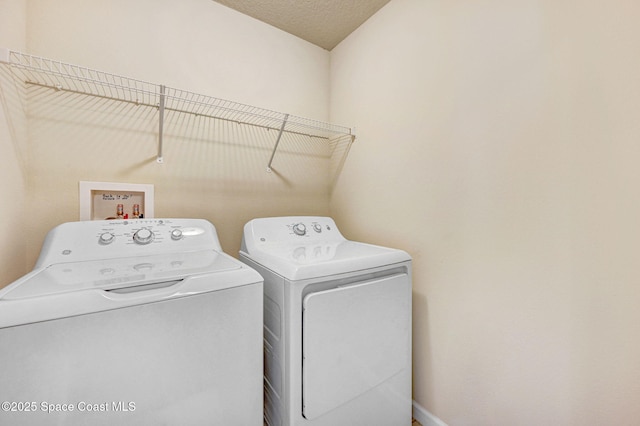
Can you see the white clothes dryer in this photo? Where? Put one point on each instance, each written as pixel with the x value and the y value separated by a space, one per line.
pixel 337 325
pixel 142 321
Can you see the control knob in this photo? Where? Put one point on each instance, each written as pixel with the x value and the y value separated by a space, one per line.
pixel 299 229
pixel 106 238
pixel 317 227
pixel 176 234
pixel 143 236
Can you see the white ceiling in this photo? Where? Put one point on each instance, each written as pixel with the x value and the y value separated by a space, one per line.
pixel 324 23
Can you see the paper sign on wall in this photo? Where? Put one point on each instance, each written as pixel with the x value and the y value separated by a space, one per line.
pixel 110 201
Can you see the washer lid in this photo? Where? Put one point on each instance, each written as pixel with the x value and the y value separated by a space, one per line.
pixel 118 274
pixel 319 259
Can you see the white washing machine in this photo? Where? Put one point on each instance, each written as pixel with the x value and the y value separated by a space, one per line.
pixel 143 322
pixel 337 325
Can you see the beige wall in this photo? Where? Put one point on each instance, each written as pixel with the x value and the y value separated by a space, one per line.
pixel 498 143
pixel 13 211
pixel 215 171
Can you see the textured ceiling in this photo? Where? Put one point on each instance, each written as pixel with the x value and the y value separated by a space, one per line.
pixel 324 23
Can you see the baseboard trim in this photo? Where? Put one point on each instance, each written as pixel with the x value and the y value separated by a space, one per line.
pixel 424 417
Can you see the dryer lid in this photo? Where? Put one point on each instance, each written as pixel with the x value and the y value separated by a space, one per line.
pixel 302 247
pixel 304 261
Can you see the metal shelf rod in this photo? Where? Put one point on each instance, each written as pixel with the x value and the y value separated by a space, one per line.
pixel 58 88
pixel 284 122
pixel 160 159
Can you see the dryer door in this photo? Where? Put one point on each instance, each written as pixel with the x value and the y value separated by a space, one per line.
pixel 354 338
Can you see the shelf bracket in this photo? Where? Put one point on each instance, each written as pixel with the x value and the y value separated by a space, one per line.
pixel 284 122
pixel 161 123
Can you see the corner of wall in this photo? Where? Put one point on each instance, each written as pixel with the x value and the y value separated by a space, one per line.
pixel 424 417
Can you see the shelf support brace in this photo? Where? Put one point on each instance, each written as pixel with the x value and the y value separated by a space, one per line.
pixel 160 123
pixel 284 122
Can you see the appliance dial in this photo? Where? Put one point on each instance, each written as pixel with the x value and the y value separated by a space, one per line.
pixel 299 229
pixel 143 236
pixel 176 234
pixel 317 227
pixel 106 238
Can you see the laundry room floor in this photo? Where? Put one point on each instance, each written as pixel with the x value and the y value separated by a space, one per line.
pixel 414 422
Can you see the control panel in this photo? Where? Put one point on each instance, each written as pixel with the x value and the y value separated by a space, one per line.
pixel 144 232
pixel 292 231
pixel 89 240
pixel 313 228
pixel 303 227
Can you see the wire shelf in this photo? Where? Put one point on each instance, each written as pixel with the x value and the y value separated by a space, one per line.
pixel 59 76
pixel 34 70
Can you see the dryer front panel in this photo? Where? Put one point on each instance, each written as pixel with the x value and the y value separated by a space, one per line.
pixel 354 338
